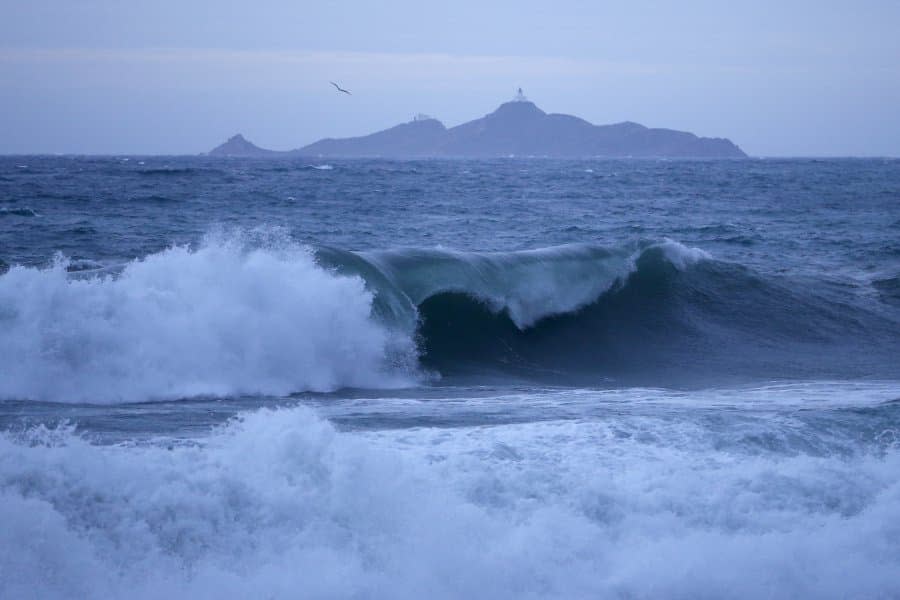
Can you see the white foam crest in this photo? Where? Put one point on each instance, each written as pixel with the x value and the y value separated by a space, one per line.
pixel 553 282
pixel 225 318
pixel 279 505
pixel 23 211
pixel 681 256
pixel 530 285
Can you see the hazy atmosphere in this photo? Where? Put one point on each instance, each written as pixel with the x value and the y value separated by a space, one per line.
pixel 471 300
pixel 779 79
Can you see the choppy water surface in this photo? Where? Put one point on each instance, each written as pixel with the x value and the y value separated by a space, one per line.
pixel 520 378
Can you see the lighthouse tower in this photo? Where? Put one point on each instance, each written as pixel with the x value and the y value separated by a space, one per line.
pixel 520 96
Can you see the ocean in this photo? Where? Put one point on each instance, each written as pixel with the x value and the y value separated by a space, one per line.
pixel 517 378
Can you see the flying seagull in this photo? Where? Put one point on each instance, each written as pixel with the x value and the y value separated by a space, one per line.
pixel 339 88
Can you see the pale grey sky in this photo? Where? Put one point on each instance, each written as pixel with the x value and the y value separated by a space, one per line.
pixel 165 76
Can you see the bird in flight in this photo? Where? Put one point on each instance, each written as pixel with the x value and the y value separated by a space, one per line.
pixel 340 89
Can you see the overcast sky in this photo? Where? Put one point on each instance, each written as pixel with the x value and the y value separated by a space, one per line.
pixel 178 76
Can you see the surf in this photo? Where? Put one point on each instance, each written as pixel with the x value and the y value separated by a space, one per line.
pixel 231 316
pixel 255 312
pixel 658 313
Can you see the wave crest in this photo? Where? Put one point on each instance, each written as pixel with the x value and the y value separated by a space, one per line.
pixel 255 313
pixel 222 319
pixel 529 285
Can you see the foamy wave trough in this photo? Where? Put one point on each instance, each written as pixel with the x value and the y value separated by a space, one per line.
pixel 278 504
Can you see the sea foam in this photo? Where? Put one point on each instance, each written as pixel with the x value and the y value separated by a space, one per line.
pixel 228 317
pixel 279 504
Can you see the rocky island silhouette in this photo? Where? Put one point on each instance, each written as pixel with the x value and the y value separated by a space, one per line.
pixel 515 129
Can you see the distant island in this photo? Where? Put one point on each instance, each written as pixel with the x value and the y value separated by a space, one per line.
pixel 516 128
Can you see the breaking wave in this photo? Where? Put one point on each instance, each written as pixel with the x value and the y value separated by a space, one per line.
pixel 17 212
pixel 660 314
pixel 279 504
pixel 255 313
pixel 223 319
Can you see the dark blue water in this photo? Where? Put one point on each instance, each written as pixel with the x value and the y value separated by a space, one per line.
pixel 523 378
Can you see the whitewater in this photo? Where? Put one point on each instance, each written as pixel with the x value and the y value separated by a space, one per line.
pixel 458 379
